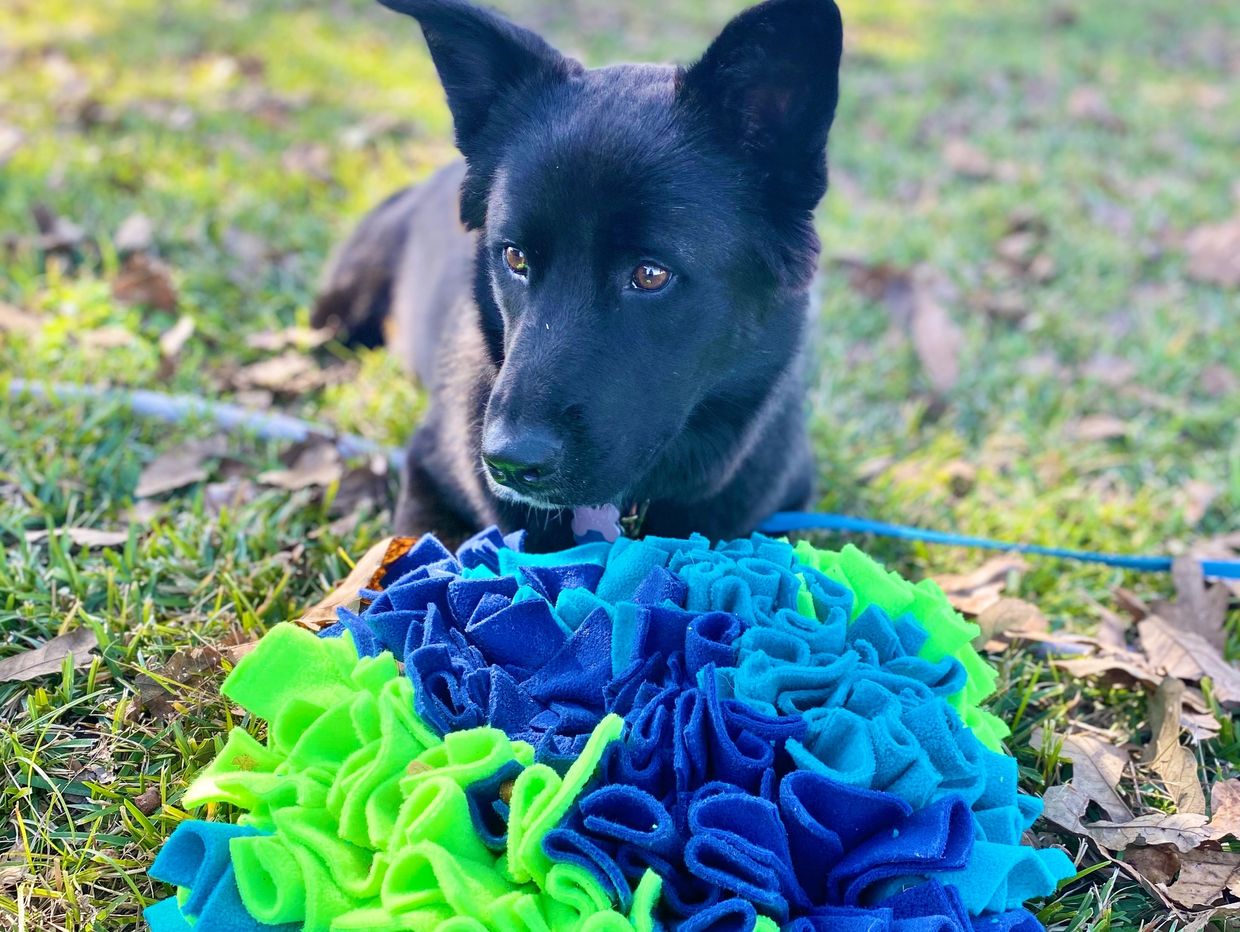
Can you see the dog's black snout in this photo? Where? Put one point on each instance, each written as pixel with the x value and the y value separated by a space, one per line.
pixel 522 458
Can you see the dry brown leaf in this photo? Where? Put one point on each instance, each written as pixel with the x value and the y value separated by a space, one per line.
pixel 301 338
pixel 967 160
pixel 11 139
pixel 1010 618
pixel 1111 370
pixel 915 310
pixel 1098 427
pixel 1189 656
pixel 15 320
pixel 313 463
pixel 1219 381
pixel 105 338
pixel 135 234
pixel 1214 253
pixel 188 670
pixel 367 573
pixel 1008 305
pixel 1175 765
pixel 85 537
pixel 178 468
pixel 49 657
pixel 1198 496
pixel 1088 104
pixel 57 234
pixel 1206 874
pixel 1096 771
pixel 1067 804
pixel 975 591
pixel 936 338
pixel 146 282
pixel 290 373
pixel 173 340
pixel 1198 607
pixel 1156 863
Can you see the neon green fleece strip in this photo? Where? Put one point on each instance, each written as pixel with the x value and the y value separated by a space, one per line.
pixel 368 813
pixel 949 634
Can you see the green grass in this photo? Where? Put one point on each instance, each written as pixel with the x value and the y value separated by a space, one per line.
pixel 204 115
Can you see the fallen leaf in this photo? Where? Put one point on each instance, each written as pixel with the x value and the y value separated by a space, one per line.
pixel 1008 617
pixel 1157 863
pixel 1098 427
pixel 105 338
pixel 178 467
pixel 961 588
pixel 1067 804
pixel 146 282
pixel 313 159
pixel 57 234
pixel 937 340
pixel 1214 253
pixel 1219 381
pixel 135 234
pixel 1096 771
pixel 1189 656
pixel 1175 765
pixel 316 462
pixel 1206 874
pixel 173 340
pixel 1225 808
pixel 162 694
pixel 1113 630
pixel 368 573
pixel 1197 607
pixel 360 487
pixel 1008 305
pixel 302 338
pixel 1113 371
pixel 15 320
pixel 231 493
pixel 84 537
pixel 1088 104
pixel 1132 603
pixel 290 373
pixel 49 657
pixel 967 160
pixel 11 139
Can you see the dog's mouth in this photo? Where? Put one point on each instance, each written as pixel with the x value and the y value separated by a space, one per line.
pixel 541 501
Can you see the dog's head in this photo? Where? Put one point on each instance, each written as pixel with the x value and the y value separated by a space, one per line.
pixel 646 235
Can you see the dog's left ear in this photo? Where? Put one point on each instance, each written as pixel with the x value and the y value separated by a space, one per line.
pixel 481 59
pixel 770 83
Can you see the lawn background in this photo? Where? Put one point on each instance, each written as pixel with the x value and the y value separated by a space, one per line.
pixel 1096 405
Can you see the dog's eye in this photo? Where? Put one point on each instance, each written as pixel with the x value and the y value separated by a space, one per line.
pixel 515 259
pixel 648 277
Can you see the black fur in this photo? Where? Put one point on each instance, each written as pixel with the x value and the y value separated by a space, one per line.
pixel 690 398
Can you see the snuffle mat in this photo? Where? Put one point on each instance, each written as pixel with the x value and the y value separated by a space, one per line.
pixel 651 734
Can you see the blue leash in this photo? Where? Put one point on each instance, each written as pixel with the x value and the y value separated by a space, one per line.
pixel 785 521
pixel 174 408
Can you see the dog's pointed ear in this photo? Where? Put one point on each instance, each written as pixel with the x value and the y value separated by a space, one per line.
pixel 770 83
pixel 481 57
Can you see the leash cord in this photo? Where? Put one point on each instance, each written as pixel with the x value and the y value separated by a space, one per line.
pixel 230 417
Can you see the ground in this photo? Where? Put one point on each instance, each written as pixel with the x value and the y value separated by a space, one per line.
pixel 1049 370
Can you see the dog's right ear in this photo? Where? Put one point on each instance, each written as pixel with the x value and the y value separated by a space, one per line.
pixel 481 58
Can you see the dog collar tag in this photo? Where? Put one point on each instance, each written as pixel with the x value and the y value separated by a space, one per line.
pixel 596 523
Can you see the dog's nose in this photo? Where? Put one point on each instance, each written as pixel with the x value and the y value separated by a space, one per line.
pixel 521 458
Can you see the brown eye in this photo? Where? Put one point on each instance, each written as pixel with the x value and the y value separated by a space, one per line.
pixel 515 259
pixel 647 277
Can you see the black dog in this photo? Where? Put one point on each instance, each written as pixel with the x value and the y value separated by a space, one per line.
pixel 618 317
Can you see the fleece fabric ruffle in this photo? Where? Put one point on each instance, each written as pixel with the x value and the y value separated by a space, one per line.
pixel 647 734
